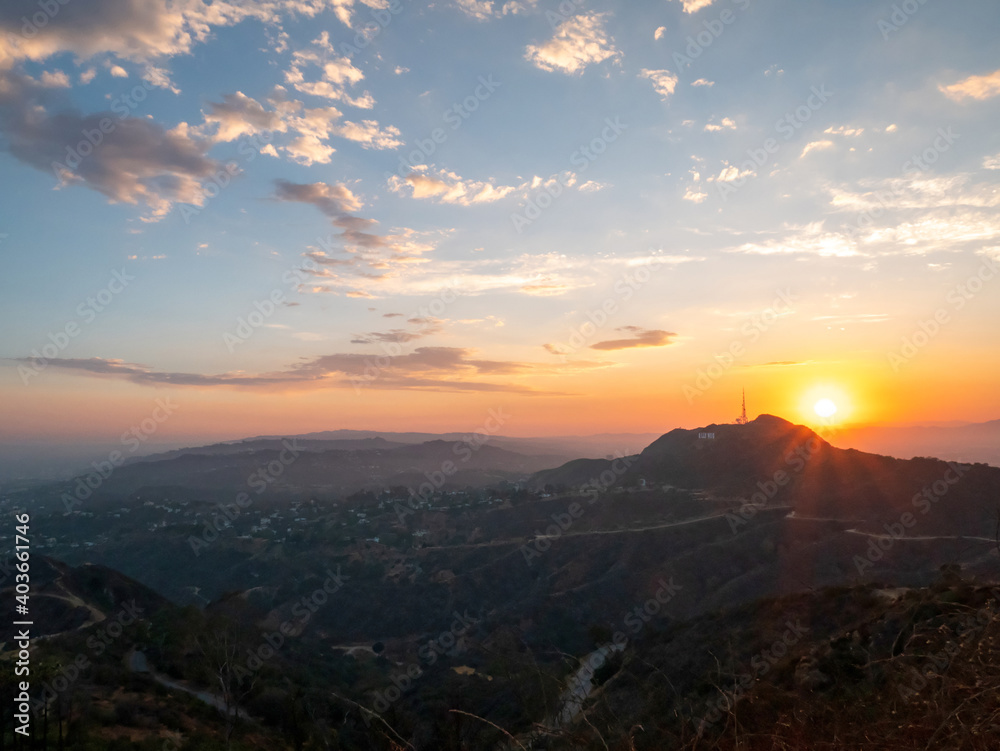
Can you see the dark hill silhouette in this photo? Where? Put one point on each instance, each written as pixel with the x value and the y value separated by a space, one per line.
pixel 772 462
pixel 66 598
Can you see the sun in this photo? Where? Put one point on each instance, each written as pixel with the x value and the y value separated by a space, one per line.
pixel 825 408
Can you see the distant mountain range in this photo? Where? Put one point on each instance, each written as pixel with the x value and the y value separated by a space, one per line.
pixel 977 442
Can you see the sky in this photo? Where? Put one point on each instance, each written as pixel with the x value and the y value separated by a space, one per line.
pixel 278 216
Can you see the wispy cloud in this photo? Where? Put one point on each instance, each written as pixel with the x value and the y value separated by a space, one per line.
pixel 444 186
pixel 639 337
pixel 424 369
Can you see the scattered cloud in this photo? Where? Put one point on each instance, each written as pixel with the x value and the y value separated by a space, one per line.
pixel 727 123
pixel 444 186
pixel 693 6
pixel 664 82
pixel 974 87
pixel 816 146
pixel 843 130
pixel 478 9
pixel 337 74
pixel 424 327
pixel 55 79
pixel 579 41
pixel 639 338
pixel 694 195
pixel 660 31
pixel 703 82
pixel 333 200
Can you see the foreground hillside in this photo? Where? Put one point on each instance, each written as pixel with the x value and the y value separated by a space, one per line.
pixel 865 667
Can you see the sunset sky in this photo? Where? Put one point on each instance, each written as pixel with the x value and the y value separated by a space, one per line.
pixel 294 215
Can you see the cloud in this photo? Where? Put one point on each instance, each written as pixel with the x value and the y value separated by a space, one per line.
pixel 333 200
pixel 693 6
pixel 664 82
pixel 137 161
pixel 342 9
pixel 426 326
pixel 443 186
pixel 55 79
pixel 478 9
pixel 843 130
pixel 727 124
pixel 446 369
pixel 371 257
pixel 535 274
pixel 694 195
pixel 991 162
pixel 337 74
pixel 811 239
pixel 578 42
pixel 731 173
pixel 816 146
pixel 660 31
pixel 310 128
pixel 482 10
pixel 369 134
pixel 703 82
pixel 640 338
pixel 974 87
pixel 239 115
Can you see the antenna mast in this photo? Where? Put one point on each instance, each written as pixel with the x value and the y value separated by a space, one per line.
pixel 742 419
